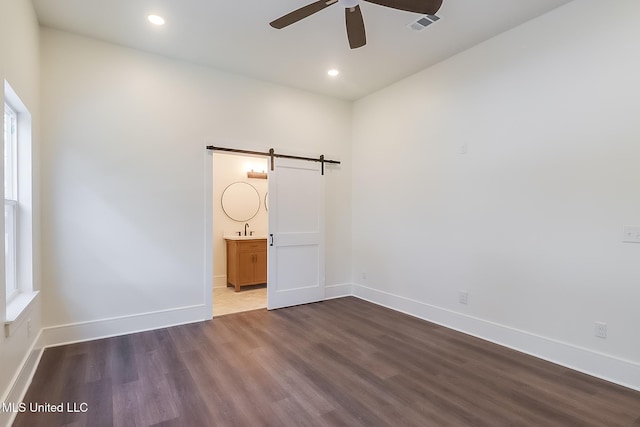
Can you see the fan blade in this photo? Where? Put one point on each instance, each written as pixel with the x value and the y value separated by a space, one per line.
pixel 426 7
pixel 355 27
pixel 298 14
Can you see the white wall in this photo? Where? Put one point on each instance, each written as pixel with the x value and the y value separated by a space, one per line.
pixel 19 65
pixel 229 169
pixel 529 220
pixel 124 175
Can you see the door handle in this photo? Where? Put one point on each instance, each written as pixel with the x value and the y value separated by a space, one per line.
pixel 271 235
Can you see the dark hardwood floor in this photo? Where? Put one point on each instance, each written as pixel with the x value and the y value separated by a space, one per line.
pixel 340 362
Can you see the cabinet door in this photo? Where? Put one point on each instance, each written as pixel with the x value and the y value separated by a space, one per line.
pixel 232 262
pixel 261 266
pixel 246 270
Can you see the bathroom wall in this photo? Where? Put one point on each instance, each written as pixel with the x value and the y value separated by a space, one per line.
pixel 227 169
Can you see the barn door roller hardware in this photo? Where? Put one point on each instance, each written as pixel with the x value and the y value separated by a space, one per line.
pixel 272 155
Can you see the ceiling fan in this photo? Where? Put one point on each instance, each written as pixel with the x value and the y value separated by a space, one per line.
pixel 353 15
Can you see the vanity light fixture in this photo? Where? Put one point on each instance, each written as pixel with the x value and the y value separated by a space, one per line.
pixel 156 19
pixel 259 175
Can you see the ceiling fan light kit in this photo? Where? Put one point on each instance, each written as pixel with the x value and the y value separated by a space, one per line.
pixel 353 15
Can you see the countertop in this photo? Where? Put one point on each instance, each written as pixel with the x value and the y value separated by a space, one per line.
pixel 257 237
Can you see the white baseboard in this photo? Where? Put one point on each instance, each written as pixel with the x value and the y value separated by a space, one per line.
pixel 22 380
pixel 104 328
pixel 609 368
pixel 220 281
pixel 338 291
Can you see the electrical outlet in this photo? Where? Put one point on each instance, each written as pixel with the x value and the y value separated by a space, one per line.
pixel 601 330
pixel 364 276
pixel 462 149
pixel 463 297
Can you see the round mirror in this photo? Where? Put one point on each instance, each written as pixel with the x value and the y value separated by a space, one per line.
pixel 240 201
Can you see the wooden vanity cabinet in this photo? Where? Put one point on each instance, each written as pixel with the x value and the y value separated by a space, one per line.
pixel 246 262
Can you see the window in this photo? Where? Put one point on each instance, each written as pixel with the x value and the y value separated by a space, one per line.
pixel 18 210
pixel 10 199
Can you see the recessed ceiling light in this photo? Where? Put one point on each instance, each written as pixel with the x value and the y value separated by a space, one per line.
pixel 333 72
pixel 155 19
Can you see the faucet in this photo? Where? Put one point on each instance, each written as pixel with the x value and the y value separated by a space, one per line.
pixel 245 228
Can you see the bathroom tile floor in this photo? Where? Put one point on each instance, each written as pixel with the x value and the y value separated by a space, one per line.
pixel 227 300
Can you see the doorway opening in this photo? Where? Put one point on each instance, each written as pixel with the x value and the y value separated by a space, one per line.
pixel 239 231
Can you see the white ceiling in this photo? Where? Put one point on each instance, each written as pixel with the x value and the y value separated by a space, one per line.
pixel 235 36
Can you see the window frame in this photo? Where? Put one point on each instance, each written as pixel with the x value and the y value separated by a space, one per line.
pixel 18 305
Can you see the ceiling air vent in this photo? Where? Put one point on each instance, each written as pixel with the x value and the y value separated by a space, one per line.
pixel 423 22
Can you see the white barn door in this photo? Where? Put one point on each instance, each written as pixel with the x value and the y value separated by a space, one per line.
pixel 296 233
